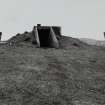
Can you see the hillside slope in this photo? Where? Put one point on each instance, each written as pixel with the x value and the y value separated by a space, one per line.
pixel 93 42
pixel 71 75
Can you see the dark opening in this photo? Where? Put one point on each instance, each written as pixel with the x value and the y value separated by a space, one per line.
pixel 44 37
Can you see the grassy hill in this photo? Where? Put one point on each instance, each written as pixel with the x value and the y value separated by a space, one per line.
pixel 93 42
pixel 71 75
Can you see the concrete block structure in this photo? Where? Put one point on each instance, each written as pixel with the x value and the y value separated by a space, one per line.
pixel 46 36
pixel 104 34
pixel 0 35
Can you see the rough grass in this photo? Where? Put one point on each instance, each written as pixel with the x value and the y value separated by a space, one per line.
pixel 71 75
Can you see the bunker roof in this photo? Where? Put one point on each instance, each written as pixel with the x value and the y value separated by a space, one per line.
pixel 57 29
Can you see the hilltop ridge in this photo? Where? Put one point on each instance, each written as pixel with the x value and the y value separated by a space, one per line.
pixel 93 42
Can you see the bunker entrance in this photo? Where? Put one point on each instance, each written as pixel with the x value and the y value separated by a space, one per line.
pixel 44 37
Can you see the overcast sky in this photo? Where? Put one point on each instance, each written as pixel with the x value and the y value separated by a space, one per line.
pixel 78 18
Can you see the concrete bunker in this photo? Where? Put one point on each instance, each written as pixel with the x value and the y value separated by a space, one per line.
pixel 46 36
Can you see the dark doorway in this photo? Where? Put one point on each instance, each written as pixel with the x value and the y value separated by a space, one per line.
pixel 44 37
